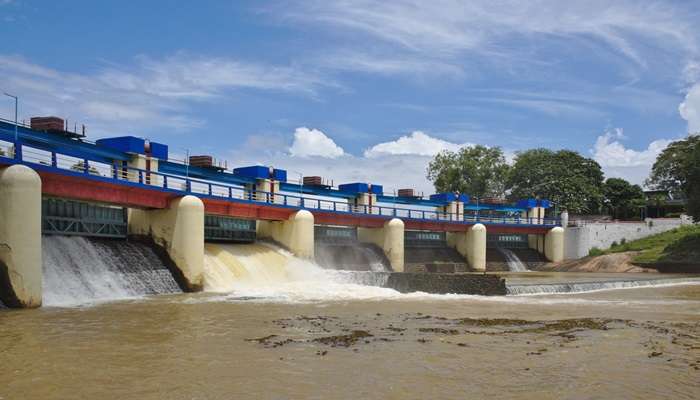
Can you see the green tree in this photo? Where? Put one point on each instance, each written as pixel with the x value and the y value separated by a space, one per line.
pixel 570 180
pixel 479 171
pixel 672 167
pixel 677 169
pixel 622 198
pixel 692 191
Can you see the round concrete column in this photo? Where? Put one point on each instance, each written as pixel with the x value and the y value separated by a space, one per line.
pixel 20 237
pixel 187 246
pixel 554 245
pixel 393 243
pixel 298 234
pixel 476 247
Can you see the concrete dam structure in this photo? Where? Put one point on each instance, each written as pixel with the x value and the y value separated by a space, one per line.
pixel 194 220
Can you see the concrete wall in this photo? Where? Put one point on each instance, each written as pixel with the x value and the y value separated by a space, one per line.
pixel 580 240
pixel 471 245
pixel 179 229
pixel 296 233
pixel 20 237
pixel 389 238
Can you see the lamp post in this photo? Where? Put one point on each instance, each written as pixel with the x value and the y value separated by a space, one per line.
pixel 17 153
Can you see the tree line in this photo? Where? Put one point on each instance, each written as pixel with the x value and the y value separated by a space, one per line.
pixel 565 177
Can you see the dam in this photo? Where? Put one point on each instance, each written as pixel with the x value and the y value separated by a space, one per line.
pixel 123 201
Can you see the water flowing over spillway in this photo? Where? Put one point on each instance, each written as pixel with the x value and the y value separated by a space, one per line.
pixel 514 263
pixel 262 270
pixel 579 287
pixel 353 257
pixel 79 270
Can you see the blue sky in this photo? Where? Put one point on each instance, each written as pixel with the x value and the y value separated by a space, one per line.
pixel 359 90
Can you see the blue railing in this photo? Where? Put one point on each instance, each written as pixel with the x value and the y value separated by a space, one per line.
pixel 118 171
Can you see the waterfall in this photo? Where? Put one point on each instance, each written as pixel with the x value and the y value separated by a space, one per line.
pixel 262 270
pixel 79 270
pixel 578 287
pixel 514 263
pixel 351 257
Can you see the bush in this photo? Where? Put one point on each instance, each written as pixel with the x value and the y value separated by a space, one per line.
pixel 623 241
pixel 614 244
pixel 595 252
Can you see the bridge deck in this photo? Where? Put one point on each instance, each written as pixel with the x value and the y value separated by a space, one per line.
pixel 64 176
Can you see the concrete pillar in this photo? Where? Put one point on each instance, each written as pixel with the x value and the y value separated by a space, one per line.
pixel 296 233
pixel 453 211
pixel 145 163
pixel 179 229
pixel 535 215
pixel 554 245
pixel 262 188
pixel 389 238
pixel 364 203
pixel 20 237
pixel 471 245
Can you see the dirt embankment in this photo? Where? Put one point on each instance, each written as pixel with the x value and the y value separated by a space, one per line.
pixel 617 262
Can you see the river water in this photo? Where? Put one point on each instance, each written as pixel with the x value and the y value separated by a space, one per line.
pixel 296 334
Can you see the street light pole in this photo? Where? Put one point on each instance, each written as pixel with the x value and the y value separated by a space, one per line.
pixel 16 111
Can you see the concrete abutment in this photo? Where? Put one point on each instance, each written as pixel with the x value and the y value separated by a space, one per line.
pixel 471 245
pixel 179 229
pixel 296 233
pixel 390 238
pixel 20 237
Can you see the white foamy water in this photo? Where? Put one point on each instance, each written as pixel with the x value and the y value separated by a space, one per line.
pixel 81 271
pixel 263 271
pixel 581 287
pixel 514 263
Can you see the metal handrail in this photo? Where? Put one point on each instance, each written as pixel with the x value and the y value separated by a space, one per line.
pixel 183 184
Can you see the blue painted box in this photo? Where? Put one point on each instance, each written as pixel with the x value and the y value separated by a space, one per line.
pixel 261 172
pixel 355 187
pixel 359 187
pixel 531 203
pixel 443 197
pixel 127 144
pixel 377 189
pixel 159 150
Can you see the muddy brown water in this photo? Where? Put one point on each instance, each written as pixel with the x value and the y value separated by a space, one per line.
pixel 634 344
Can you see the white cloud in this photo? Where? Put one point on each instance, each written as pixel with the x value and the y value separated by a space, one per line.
pixel 312 142
pixel 619 161
pixel 381 64
pixel 445 29
pixel 148 94
pixel 690 109
pixel 417 143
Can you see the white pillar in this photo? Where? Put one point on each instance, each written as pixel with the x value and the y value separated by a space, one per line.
pixel 554 245
pixel 453 211
pixel 145 163
pixel 476 247
pixel 20 237
pixel 296 233
pixel 389 238
pixel 179 229
pixel 364 203
pixel 471 245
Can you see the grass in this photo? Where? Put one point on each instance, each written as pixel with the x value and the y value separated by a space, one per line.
pixel 678 245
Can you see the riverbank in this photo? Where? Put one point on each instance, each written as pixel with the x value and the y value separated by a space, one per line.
pixel 675 251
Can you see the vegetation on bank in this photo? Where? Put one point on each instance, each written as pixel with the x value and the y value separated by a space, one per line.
pixel 572 181
pixel 678 245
